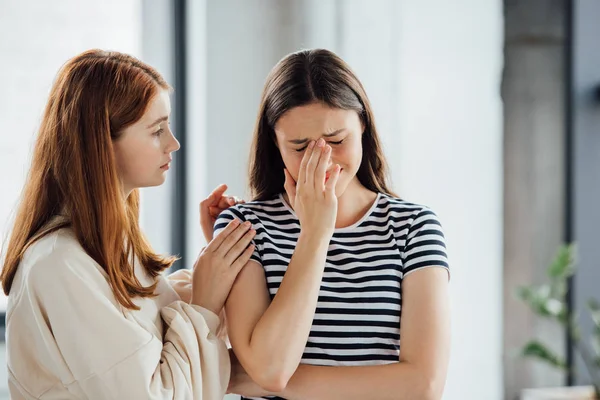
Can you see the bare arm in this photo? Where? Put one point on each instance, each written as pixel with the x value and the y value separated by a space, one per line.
pixel 269 337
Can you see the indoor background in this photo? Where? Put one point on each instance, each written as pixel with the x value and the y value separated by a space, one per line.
pixel 485 108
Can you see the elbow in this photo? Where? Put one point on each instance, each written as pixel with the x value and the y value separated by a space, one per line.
pixel 432 389
pixel 273 384
pixel 274 380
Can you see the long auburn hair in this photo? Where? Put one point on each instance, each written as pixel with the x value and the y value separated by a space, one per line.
pixel 95 96
pixel 302 78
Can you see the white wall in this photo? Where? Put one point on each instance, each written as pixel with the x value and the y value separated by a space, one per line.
pixel 157 43
pixel 36 38
pixel 449 156
pixel 432 70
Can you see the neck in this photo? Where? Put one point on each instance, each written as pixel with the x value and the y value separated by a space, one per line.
pixel 353 204
pixel 126 191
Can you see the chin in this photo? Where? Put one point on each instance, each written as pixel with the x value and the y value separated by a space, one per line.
pixel 156 182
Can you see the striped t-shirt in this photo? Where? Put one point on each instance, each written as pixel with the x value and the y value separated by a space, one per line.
pixel 357 319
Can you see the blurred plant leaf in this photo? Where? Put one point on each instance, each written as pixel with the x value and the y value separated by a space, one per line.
pixel 549 301
pixel 574 328
pixel 563 265
pixel 539 299
pixel 594 308
pixel 537 350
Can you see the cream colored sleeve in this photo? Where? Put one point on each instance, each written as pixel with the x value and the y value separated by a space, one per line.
pixel 108 356
pixel 181 282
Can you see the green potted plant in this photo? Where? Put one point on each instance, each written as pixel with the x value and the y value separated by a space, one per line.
pixel 548 300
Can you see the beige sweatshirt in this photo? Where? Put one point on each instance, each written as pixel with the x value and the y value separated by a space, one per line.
pixel 67 337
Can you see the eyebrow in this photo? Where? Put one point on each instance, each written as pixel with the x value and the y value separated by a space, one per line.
pixel 325 135
pixel 158 121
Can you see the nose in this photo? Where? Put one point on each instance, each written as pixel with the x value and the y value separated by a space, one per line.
pixel 173 144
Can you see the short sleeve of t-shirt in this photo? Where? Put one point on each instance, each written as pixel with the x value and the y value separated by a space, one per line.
pixel 425 243
pixel 229 215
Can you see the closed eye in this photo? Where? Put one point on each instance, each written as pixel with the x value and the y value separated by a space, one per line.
pixel 333 143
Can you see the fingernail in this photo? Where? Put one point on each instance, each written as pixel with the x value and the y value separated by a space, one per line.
pixel 247 224
pixel 321 142
pixel 311 144
pixel 236 221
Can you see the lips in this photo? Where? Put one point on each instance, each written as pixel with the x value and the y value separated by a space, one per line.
pixel 166 166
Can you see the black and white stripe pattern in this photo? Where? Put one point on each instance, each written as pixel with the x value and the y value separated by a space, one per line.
pixel 357 320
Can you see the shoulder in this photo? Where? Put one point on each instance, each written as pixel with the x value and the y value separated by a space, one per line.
pixel 400 209
pixel 59 249
pixel 254 210
pixel 55 261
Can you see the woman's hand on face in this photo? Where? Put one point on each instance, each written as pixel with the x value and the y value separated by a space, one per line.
pixel 313 196
pixel 219 263
pixel 212 206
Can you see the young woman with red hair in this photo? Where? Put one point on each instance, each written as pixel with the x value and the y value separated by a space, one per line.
pixel 89 313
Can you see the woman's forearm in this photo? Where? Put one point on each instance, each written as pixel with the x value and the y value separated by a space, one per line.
pixel 279 338
pixel 398 381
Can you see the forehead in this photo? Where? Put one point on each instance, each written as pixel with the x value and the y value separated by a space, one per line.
pixel 315 119
pixel 160 106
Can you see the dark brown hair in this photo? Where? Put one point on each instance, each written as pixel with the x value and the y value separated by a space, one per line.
pixel 95 96
pixel 299 79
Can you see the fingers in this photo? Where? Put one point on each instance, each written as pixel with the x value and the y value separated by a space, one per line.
pixel 242 260
pixel 225 202
pixel 214 197
pixel 321 169
pixel 304 162
pixel 311 166
pixel 232 239
pixel 214 211
pixel 289 185
pixel 206 217
pixel 224 234
pixel 332 181
pixel 239 247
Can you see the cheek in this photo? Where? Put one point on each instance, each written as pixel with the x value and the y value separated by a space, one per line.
pixel 122 159
pixel 134 159
pixel 349 156
pixel 292 160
